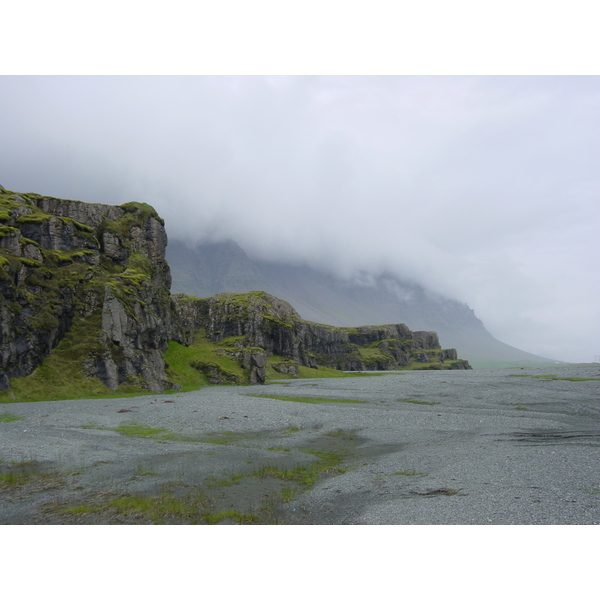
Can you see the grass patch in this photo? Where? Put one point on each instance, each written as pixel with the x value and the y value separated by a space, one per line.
pixel 7 418
pixel 251 497
pixel 223 481
pixel 290 429
pixel 231 437
pixel 140 430
pixel 413 401
pixel 17 474
pixel 307 475
pixel 145 472
pixel 439 492
pixel 61 376
pixel 410 473
pixel 307 399
pixel 143 431
pixel 193 509
pixel 555 377
pixel 224 437
pixel 184 363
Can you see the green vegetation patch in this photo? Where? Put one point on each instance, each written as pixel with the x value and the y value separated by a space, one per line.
pixel 306 475
pixel 192 508
pixel 18 474
pixel 234 437
pixel 140 430
pixel 254 496
pixel 413 401
pixel 330 450
pixel 7 418
pixel 308 372
pixel 189 366
pixel 307 399
pixel 61 376
pixel 556 378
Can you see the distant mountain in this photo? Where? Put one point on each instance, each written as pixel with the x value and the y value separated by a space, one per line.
pixel 209 269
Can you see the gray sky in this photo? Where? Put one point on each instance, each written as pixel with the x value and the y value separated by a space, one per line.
pixel 485 189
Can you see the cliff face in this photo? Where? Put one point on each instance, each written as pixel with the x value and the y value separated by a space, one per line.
pixel 258 319
pixel 88 287
pixel 98 270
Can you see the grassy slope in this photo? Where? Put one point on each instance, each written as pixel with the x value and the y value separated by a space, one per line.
pixel 179 361
pixel 61 376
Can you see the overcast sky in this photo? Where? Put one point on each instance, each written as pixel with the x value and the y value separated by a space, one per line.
pixel 484 189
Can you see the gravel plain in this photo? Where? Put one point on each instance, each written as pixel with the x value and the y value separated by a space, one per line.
pixel 505 446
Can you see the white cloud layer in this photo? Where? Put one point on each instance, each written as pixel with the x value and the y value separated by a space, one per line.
pixel 486 189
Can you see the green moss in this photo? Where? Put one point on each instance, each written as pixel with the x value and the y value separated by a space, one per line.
pixel 36 217
pixel 8 231
pixel 307 399
pixel 279 322
pixel 61 376
pixel 234 341
pixel 7 205
pixel 141 210
pixel 78 225
pixel 23 241
pixel 193 509
pixel 371 354
pixel 18 474
pixel 7 418
pixel 556 378
pixel 424 402
pixel 138 430
pixel 184 362
pixel 29 262
pixel 134 277
pixel 60 257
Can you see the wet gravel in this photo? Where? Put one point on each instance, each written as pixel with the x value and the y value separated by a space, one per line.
pixel 507 446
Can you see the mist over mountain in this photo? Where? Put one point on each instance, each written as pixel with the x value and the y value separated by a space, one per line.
pixel 208 269
pixel 480 189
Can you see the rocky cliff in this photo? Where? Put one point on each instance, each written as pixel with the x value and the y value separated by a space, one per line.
pixel 259 320
pixel 96 270
pixel 87 286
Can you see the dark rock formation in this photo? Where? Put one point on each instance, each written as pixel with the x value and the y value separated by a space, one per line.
pixel 261 320
pixel 100 267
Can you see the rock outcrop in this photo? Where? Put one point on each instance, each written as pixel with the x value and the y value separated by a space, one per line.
pixel 261 320
pixel 99 268
pixel 98 273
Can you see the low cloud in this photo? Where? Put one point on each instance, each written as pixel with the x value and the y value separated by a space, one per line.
pixel 484 189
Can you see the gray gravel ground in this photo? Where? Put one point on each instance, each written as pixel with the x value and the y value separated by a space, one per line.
pixel 431 447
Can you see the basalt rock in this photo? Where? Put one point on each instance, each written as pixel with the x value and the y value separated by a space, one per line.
pixel 258 319
pixel 100 267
